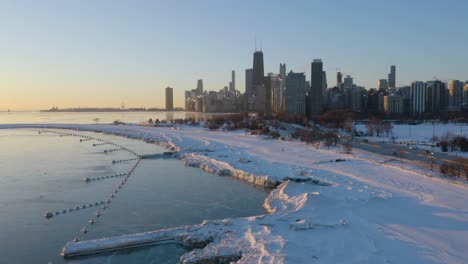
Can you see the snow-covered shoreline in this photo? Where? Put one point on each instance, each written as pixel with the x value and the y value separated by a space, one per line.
pixel 368 212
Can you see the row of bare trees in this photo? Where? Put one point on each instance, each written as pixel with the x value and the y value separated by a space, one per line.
pixel 378 127
pixel 458 169
pixel 315 136
pixel 452 142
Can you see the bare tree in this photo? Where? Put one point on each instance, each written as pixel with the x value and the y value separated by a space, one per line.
pixel 387 128
pixel 347 147
pixel 444 169
pixel 329 139
pixel 465 170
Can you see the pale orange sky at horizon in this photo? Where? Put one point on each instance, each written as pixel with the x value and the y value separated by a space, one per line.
pixel 42 91
pixel 102 53
pixel 131 98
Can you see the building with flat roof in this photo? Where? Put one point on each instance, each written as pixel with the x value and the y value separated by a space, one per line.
pixel 169 99
pixel 316 87
pixel 295 98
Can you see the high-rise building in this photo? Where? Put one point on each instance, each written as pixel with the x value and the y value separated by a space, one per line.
pixel 348 82
pixel 282 71
pixel 339 79
pixel 169 99
pixel 357 98
pixel 258 72
pixel 257 97
pixel 200 87
pixel 382 84
pixel 435 96
pixel 417 98
pixel 324 83
pixel 393 104
pixel 267 85
pixel 465 95
pixel 295 98
pixel 248 80
pixel 392 77
pixel 404 92
pixel 316 84
pixel 456 94
pixel 282 89
pixel 276 99
pixel 232 87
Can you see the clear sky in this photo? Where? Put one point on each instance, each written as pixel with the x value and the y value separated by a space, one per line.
pixel 105 52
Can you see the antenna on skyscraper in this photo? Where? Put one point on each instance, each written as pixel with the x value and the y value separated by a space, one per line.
pixel 255 43
pixel 261 48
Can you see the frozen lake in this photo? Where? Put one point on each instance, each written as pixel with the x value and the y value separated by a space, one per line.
pixel 46 172
pixel 36 117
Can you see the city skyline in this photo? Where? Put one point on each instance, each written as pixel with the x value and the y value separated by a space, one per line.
pixel 81 54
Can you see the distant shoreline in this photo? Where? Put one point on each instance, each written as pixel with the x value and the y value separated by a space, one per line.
pixel 73 110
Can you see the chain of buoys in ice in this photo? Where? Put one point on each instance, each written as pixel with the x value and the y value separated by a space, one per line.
pixel 50 214
pixel 119 187
pixel 104 204
pixel 100 144
pixel 89 179
pixel 124 160
pixel 77 208
pixel 87 138
pixel 112 150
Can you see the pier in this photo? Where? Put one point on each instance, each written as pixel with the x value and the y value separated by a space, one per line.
pixel 172 235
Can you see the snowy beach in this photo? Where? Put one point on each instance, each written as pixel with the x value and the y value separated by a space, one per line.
pixel 361 210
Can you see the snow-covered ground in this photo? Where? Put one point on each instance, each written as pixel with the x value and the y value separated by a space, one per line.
pixel 424 131
pixel 366 209
pixel 420 136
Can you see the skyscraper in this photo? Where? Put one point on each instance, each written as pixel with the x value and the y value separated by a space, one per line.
pixel 348 82
pixel 248 81
pixel 339 79
pixel 465 95
pixel 435 91
pixel 256 98
pixel 232 87
pixel 276 96
pixel 393 104
pixel 382 84
pixel 169 99
pixel 258 72
pixel 282 90
pixel 200 87
pixel 282 71
pixel 417 98
pixel 324 83
pixel 316 83
pixel 267 84
pixel 295 101
pixel 456 94
pixel 392 77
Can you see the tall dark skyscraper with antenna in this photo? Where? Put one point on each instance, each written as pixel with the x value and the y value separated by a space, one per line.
pixel 257 97
pixel 258 71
